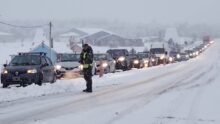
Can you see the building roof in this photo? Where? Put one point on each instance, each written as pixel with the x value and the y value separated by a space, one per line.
pixel 97 36
pixel 69 34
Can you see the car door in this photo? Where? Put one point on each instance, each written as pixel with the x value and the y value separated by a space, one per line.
pixel 111 63
pixel 50 69
pixel 45 69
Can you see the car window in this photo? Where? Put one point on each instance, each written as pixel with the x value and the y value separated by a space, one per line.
pixel 49 61
pixel 157 50
pixel 25 60
pixel 109 57
pixel 43 60
pixel 98 57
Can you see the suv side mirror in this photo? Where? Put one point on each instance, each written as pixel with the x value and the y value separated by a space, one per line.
pixel 5 65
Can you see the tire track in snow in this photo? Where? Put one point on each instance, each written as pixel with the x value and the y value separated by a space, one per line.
pixel 153 95
pixel 197 82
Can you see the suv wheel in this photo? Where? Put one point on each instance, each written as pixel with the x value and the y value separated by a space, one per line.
pixel 40 80
pixel 23 84
pixel 5 85
pixel 54 79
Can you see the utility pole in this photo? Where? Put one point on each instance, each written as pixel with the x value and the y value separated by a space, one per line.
pixel 50 36
pixel 50 40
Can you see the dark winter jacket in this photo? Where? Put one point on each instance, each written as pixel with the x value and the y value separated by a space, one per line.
pixel 86 57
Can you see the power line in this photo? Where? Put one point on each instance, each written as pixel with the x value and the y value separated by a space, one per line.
pixel 19 26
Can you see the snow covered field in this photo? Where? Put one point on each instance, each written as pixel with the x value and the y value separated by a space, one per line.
pixel 181 93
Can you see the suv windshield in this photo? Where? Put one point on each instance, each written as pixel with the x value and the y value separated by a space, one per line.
pixel 68 57
pixel 157 50
pixel 143 55
pixel 25 60
pixel 117 53
pixel 98 57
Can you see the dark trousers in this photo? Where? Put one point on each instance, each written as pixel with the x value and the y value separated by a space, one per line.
pixel 88 77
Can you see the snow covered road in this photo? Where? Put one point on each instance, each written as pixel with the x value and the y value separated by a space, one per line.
pixel 181 93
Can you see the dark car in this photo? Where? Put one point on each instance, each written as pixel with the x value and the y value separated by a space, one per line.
pixel 173 54
pixel 182 57
pixel 122 58
pixel 136 61
pixel 190 53
pixel 28 68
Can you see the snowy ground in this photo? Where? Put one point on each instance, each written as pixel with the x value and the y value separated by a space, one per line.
pixel 181 93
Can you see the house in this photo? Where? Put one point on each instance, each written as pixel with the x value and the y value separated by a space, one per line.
pixel 75 47
pixel 46 49
pixel 114 40
pixel 77 34
pixel 92 39
pixel 99 37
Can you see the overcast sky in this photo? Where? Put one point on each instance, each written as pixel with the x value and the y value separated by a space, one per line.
pixel 162 11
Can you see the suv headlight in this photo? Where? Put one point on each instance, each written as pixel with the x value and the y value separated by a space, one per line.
pixel 32 71
pixel 162 57
pixel 146 61
pixel 170 59
pixel 58 67
pixel 178 56
pixel 105 65
pixel 122 58
pixel 136 61
pixel 81 67
pixel 153 60
pixel 4 71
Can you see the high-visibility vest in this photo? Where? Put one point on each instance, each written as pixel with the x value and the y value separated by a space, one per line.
pixel 86 65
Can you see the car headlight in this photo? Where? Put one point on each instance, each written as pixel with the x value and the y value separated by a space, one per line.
pixel 194 54
pixel 136 61
pixel 81 67
pixel 153 60
pixel 178 56
pixel 122 58
pixel 162 57
pixel 31 71
pixel 4 71
pixel 58 67
pixel 170 59
pixel 105 65
pixel 146 61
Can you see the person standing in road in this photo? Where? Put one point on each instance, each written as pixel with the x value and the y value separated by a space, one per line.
pixel 86 60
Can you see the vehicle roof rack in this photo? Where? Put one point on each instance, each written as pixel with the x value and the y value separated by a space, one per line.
pixel 33 53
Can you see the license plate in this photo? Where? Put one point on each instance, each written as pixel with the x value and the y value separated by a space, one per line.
pixel 16 78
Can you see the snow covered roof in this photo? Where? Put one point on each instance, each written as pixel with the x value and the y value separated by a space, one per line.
pixel 90 31
pixel 69 34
